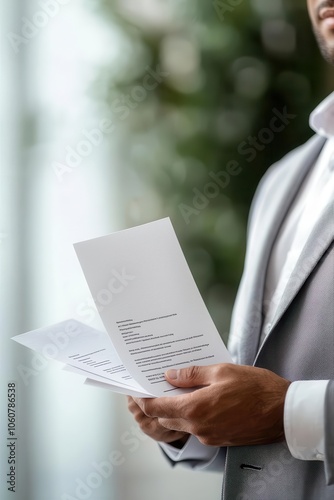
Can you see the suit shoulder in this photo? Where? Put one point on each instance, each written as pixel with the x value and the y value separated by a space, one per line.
pixel 277 169
pixel 277 172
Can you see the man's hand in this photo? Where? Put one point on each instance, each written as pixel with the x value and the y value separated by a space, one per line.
pixel 154 429
pixel 233 406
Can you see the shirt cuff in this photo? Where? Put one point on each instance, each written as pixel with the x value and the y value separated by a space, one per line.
pixel 192 450
pixel 304 419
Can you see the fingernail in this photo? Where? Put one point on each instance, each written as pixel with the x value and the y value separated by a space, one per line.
pixel 172 374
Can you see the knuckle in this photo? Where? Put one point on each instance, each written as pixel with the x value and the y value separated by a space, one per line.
pixel 146 408
pixel 163 423
pixel 131 405
pixel 223 370
pixel 219 370
pixel 194 429
pixel 143 407
pixel 139 417
pixel 206 440
pixel 147 426
pixel 192 372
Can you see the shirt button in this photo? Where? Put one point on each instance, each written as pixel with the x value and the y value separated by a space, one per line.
pixel 267 328
pixel 319 456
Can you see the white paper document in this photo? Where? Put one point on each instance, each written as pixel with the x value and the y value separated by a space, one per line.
pixel 153 313
pixel 84 349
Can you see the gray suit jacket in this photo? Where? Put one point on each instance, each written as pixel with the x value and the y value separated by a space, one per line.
pixel 300 345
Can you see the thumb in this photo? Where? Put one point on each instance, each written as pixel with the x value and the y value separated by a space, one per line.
pixel 191 376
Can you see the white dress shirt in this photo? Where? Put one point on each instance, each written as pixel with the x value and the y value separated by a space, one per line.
pixel 304 420
pixel 305 400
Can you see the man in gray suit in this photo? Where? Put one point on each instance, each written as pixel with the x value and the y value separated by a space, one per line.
pixel 268 420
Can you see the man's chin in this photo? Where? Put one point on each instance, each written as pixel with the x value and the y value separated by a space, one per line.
pixel 326 48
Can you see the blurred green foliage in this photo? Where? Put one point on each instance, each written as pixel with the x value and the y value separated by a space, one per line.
pixel 225 67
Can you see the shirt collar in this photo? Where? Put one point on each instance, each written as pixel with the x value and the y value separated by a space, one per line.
pixel 322 118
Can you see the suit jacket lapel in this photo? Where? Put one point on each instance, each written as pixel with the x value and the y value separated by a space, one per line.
pixel 273 210
pixel 317 244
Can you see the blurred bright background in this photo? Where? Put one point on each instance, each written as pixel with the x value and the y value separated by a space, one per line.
pixel 116 113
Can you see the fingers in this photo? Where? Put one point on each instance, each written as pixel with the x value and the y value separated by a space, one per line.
pixel 178 406
pixel 176 424
pixel 152 427
pixel 132 405
pixel 172 407
pixel 194 376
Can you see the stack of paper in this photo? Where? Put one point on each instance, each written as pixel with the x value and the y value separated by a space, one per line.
pixel 153 313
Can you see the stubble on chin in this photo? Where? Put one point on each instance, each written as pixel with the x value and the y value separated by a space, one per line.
pixel 326 51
